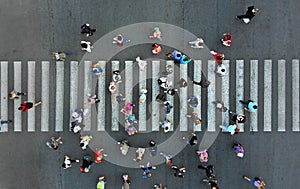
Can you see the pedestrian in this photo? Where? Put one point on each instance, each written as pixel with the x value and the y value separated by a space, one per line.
pixel 153 148
pixel 175 54
pixel 147 170
pixel 112 87
pixel 156 34
pixel 251 11
pixel 86 29
pixel 168 106
pixel 169 70
pixel 160 186
pixel 238 149
pixel 86 46
pixel 226 39
pixel 204 83
pixel 164 83
pixel 68 162
pixel 4 122
pixel 221 70
pixel 220 106
pixel 127 109
pixel 184 59
pixel 92 99
pixel 54 142
pixel 86 164
pixel 237 118
pixel 179 172
pixel 193 101
pixel 16 95
pixel 182 83
pixel 131 129
pixel 212 182
pixel 171 92
pixel 60 56
pixel 120 98
pixel 120 40
pixel 75 127
pixel 195 118
pixel 168 158
pixel 232 129
pixel 250 105
pixel 142 95
pixel 142 63
pixel 193 140
pixel 203 155
pixel 161 98
pixel 256 181
pixel 209 170
pixel 25 106
pixel 117 77
pixel 84 141
pixel 197 44
pixel 166 124
pixel 156 48
pixel 77 115
pixel 96 69
pixel 218 57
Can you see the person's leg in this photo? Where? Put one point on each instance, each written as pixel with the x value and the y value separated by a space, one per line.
pixel 242 16
pixel 36 104
pixel 224 128
pixel 197 83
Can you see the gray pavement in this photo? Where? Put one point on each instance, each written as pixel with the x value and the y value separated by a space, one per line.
pixel 32 29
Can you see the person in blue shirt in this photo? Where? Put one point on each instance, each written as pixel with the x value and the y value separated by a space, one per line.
pixel 184 59
pixel 250 105
pixel 147 170
pixel 175 54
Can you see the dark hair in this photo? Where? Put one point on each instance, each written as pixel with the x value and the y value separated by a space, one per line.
pixel 20 108
pixel 255 107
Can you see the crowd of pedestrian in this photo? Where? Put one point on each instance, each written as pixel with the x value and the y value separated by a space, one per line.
pixel 167 88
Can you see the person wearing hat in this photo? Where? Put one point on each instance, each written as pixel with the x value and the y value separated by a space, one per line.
pixel 156 34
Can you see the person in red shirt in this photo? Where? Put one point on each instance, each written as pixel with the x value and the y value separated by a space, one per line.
pixel 218 57
pixel 226 40
pixel 156 48
pixel 25 106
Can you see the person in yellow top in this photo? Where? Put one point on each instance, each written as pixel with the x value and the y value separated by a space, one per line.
pixel 101 183
pixel 16 95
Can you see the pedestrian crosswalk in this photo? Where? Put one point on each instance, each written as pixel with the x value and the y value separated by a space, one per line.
pixel 52 90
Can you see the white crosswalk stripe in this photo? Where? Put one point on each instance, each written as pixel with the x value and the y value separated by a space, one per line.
pixel 266 109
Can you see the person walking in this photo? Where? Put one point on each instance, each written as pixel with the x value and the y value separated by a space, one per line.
pixel 232 129
pixel 25 106
pixel 193 101
pixel 226 40
pixel 184 59
pixel 212 182
pixel 4 122
pixel 156 34
pixel 156 49
pixel 221 70
pixel 256 181
pixel 16 95
pixel 86 46
pixel 175 54
pixel 250 105
pixel 86 164
pixel 197 44
pixel 220 106
pixel 54 142
pixel 204 83
pixel 195 118
pixel 68 162
pixel 120 40
pixel 86 29
pixel 218 57
pixel 238 149
pixel 147 170
pixel 193 140
pixel 237 118
pixel 179 172
pixel 251 11
pixel 168 158
pixel 153 148
pixel 209 170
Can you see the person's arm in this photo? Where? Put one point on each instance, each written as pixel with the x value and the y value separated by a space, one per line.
pixel 247 110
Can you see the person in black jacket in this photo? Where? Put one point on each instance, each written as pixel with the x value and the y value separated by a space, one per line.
pixel 251 11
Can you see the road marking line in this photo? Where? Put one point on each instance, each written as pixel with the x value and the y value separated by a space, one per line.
pixel 267 95
pixel 254 93
pixel 17 87
pixel 115 107
pixel 59 104
pixel 101 95
pixel 143 106
pixel 155 91
pixel 170 98
pixel 4 94
pixel 295 94
pixel 211 97
pixel 197 90
pixel 225 93
pixel 281 95
pixel 31 96
pixel 239 89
